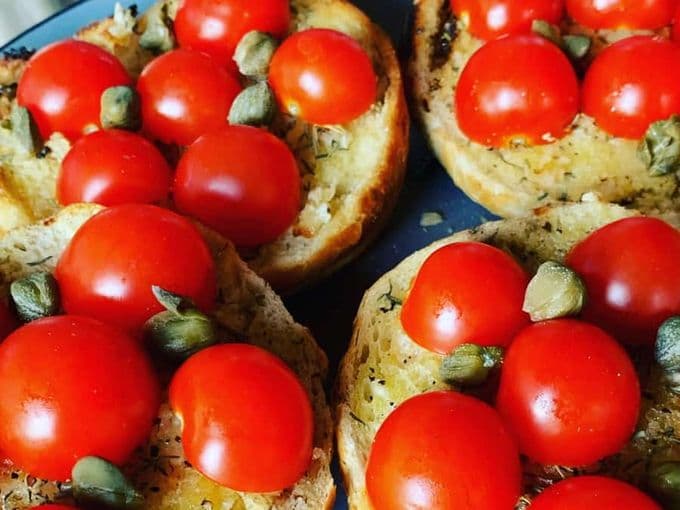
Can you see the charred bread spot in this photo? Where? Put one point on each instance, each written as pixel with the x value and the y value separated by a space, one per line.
pixel 21 53
pixel 443 38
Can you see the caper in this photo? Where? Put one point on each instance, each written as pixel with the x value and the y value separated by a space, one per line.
pixel 575 46
pixel 97 483
pixel 664 481
pixel 470 364
pixel 667 351
pixel 254 106
pixel 254 53
pixel 35 296
pixel 120 108
pixel 555 291
pixel 25 129
pixel 660 148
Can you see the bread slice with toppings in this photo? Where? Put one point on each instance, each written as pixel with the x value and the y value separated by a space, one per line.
pixel 248 311
pixel 352 174
pixel 384 367
pixel 513 181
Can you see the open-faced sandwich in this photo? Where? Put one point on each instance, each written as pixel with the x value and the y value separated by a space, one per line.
pixel 531 103
pixel 514 365
pixel 154 370
pixel 282 125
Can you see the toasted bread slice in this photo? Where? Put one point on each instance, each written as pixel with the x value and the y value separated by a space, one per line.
pixel 247 311
pixel 352 174
pixel 383 366
pixel 511 182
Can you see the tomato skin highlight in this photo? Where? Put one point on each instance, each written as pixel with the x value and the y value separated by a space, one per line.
pixel 242 181
pixel 491 19
pixel 520 87
pixel 632 84
pixel 184 95
pixel 323 76
pixel 466 293
pixel 622 14
pixel 569 392
pixel 435 447
pixel 114 259
pixel 630 270
pixel 593 493
pixel 257 439
pixel 113 167
pixel 216 27
pixel 63 83
pixel 69 387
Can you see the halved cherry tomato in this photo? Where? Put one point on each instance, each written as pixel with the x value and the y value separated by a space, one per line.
pixel 241 181
pixel 323 76
pixel 247 420
pixel 618 14
pixel 633 83
pixel 113 167
pixel 569 392
pixel 69 387
pixel 491 19
pixel 185 94
pixel 593 493
pixel 519 88
pixel 114 259
pixel 440 451
pixel 63 83
pixel 466 293
pixel 216 27
pixel 631 271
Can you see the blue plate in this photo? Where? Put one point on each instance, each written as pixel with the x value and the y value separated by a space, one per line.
pixel 329 309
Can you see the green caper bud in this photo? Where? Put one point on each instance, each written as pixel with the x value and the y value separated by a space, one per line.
pixel 35 296
pixel 25 130
pixel 157 36
pixel 555 291
pixel 664 481
pixel 470 364
pixel 97 483
pixel 181 330
pixel 667 351
pixel 254 106
pixel 120 108
pixel 577 46
pixel 254 53
pixel 660 148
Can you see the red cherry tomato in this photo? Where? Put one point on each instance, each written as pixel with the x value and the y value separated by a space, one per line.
pixel 112 262
pixel 676 25
pixel 185 94
pixel 625 91
pixel 113 167
pixel 631 272
pixel 70 387
pixel 517 88
pixel 491 19
pixel 440 451
pixel 216 27
pixel 241 181
pixel 466 293
pixel 323 76
pixel 569 392
pixel 617 14
pixel 259 438
pixel 593 493
pixel 63 83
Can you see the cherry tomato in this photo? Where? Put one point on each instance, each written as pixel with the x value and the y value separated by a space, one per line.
pixel 216 27
pixel 618 14
pixel 69 387
pixel 113 167
pixel 632 276
pixel 519 88
pixel 569 392
pixel 259 438
pixel 491 19
pixel 632 84
pixel 241 181
pixel 675 35
pixel 185 94
pixel 440 451
pixel 466 293
pixel 114 259
pixel 323 76
pixel 593 493
pixel 63 84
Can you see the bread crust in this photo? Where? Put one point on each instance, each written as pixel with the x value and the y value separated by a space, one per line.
pixel 383 367
pixel 512 182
